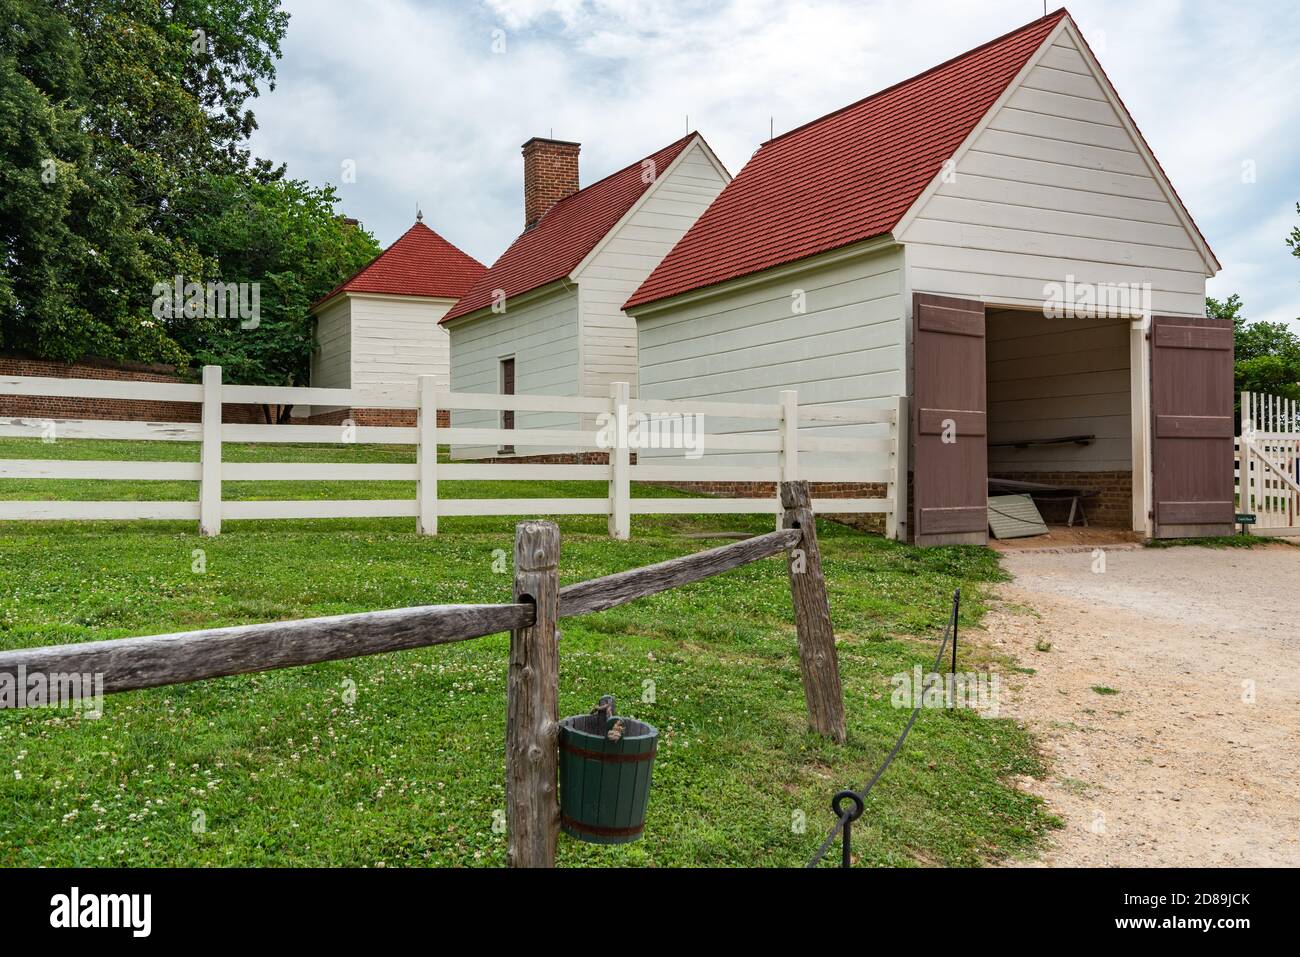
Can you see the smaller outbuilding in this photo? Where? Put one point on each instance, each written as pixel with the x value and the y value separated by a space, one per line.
pixel 547 318
pixel 379 330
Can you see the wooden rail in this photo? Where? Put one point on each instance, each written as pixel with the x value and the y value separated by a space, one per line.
pixel 532 697
pixel 601 594
pixel 129 664
pixel 831 444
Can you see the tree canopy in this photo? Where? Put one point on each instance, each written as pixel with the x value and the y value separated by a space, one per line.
pixel 124 163
pixel 1267 353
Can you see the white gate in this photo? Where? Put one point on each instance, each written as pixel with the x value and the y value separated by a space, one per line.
pixel 1268 463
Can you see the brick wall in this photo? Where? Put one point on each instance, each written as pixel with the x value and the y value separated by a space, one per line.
pixel 557 458
pixel 400 418
pixel 131 410
pixel 1112 508
pixel 873 523
pixel 870 522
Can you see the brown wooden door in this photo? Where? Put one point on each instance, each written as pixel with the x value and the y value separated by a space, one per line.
pixel 950 467
pixel 1191 427
pixel 508 388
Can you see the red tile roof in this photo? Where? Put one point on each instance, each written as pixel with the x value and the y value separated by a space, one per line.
pixel 420 263
pixel 562 238
pixel 846 177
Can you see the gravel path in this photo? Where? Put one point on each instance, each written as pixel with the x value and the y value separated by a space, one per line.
pixel 1181 765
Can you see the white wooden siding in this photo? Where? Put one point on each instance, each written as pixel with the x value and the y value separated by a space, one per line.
pixel 749 344
pixel 1053 187
pixel 395 339
pixel 678 198
pixel 378 344
pixel 1049 378
pixel 542 336
pixel 331 359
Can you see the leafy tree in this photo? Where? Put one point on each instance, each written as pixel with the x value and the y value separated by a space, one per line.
pixel 1267 353
pixel 1229 308
pixel 123 163
pixel 285 235
pixel 76 253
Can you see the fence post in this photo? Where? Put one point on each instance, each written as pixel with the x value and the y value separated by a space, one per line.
pixel 1245 466
pixel 532 702
pixel 818 663
pixel 896 520
pixel 788 458
pixel 620 465
pixel 426 455
pixel 210 454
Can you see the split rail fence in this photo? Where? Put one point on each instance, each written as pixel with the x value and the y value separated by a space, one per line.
pixel 795 431
pixel 532 696
pixel 1268 463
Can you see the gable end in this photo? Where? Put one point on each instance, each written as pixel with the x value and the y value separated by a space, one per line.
pixel 1058 153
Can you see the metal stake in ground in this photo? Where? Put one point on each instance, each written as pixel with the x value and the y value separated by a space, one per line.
pixel 956 611
pixel 532 702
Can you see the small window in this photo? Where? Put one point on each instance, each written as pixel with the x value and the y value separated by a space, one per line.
pixel 507 388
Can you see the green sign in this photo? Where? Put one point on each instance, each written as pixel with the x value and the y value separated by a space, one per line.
pixel 1245 519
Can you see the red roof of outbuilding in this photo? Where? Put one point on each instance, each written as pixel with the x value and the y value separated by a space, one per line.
pixel 420 263
pixel 566 234
pixel 846 177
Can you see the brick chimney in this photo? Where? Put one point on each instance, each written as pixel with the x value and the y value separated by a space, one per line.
pixel 550 174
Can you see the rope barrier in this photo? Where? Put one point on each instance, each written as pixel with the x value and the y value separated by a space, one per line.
pixel 845 819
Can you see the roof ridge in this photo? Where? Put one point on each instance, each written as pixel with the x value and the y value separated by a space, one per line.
pixel 1057 14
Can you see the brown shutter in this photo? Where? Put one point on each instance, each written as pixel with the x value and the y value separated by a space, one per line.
pixel 950 484
pixel 1191 427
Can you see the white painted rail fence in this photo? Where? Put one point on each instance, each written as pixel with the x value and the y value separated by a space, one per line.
pixel 1268 463
pixel 794 430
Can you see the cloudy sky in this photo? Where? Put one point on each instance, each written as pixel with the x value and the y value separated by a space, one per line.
pixel 430 101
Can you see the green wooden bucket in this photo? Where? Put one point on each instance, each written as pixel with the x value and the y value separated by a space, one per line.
pixel 605 784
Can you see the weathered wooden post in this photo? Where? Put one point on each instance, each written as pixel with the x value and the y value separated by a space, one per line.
pixel 533 701
pixel 812 615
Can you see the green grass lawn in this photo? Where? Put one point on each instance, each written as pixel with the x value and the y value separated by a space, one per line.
pixel 1226 541
pixel 397 759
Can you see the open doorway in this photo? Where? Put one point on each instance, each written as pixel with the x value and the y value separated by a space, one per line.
pixel 1135 412
pixel 1060 413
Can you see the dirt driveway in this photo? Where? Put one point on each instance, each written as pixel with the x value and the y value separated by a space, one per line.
pixel 1168 705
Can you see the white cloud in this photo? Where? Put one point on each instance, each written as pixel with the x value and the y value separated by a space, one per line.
pixel 414 93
